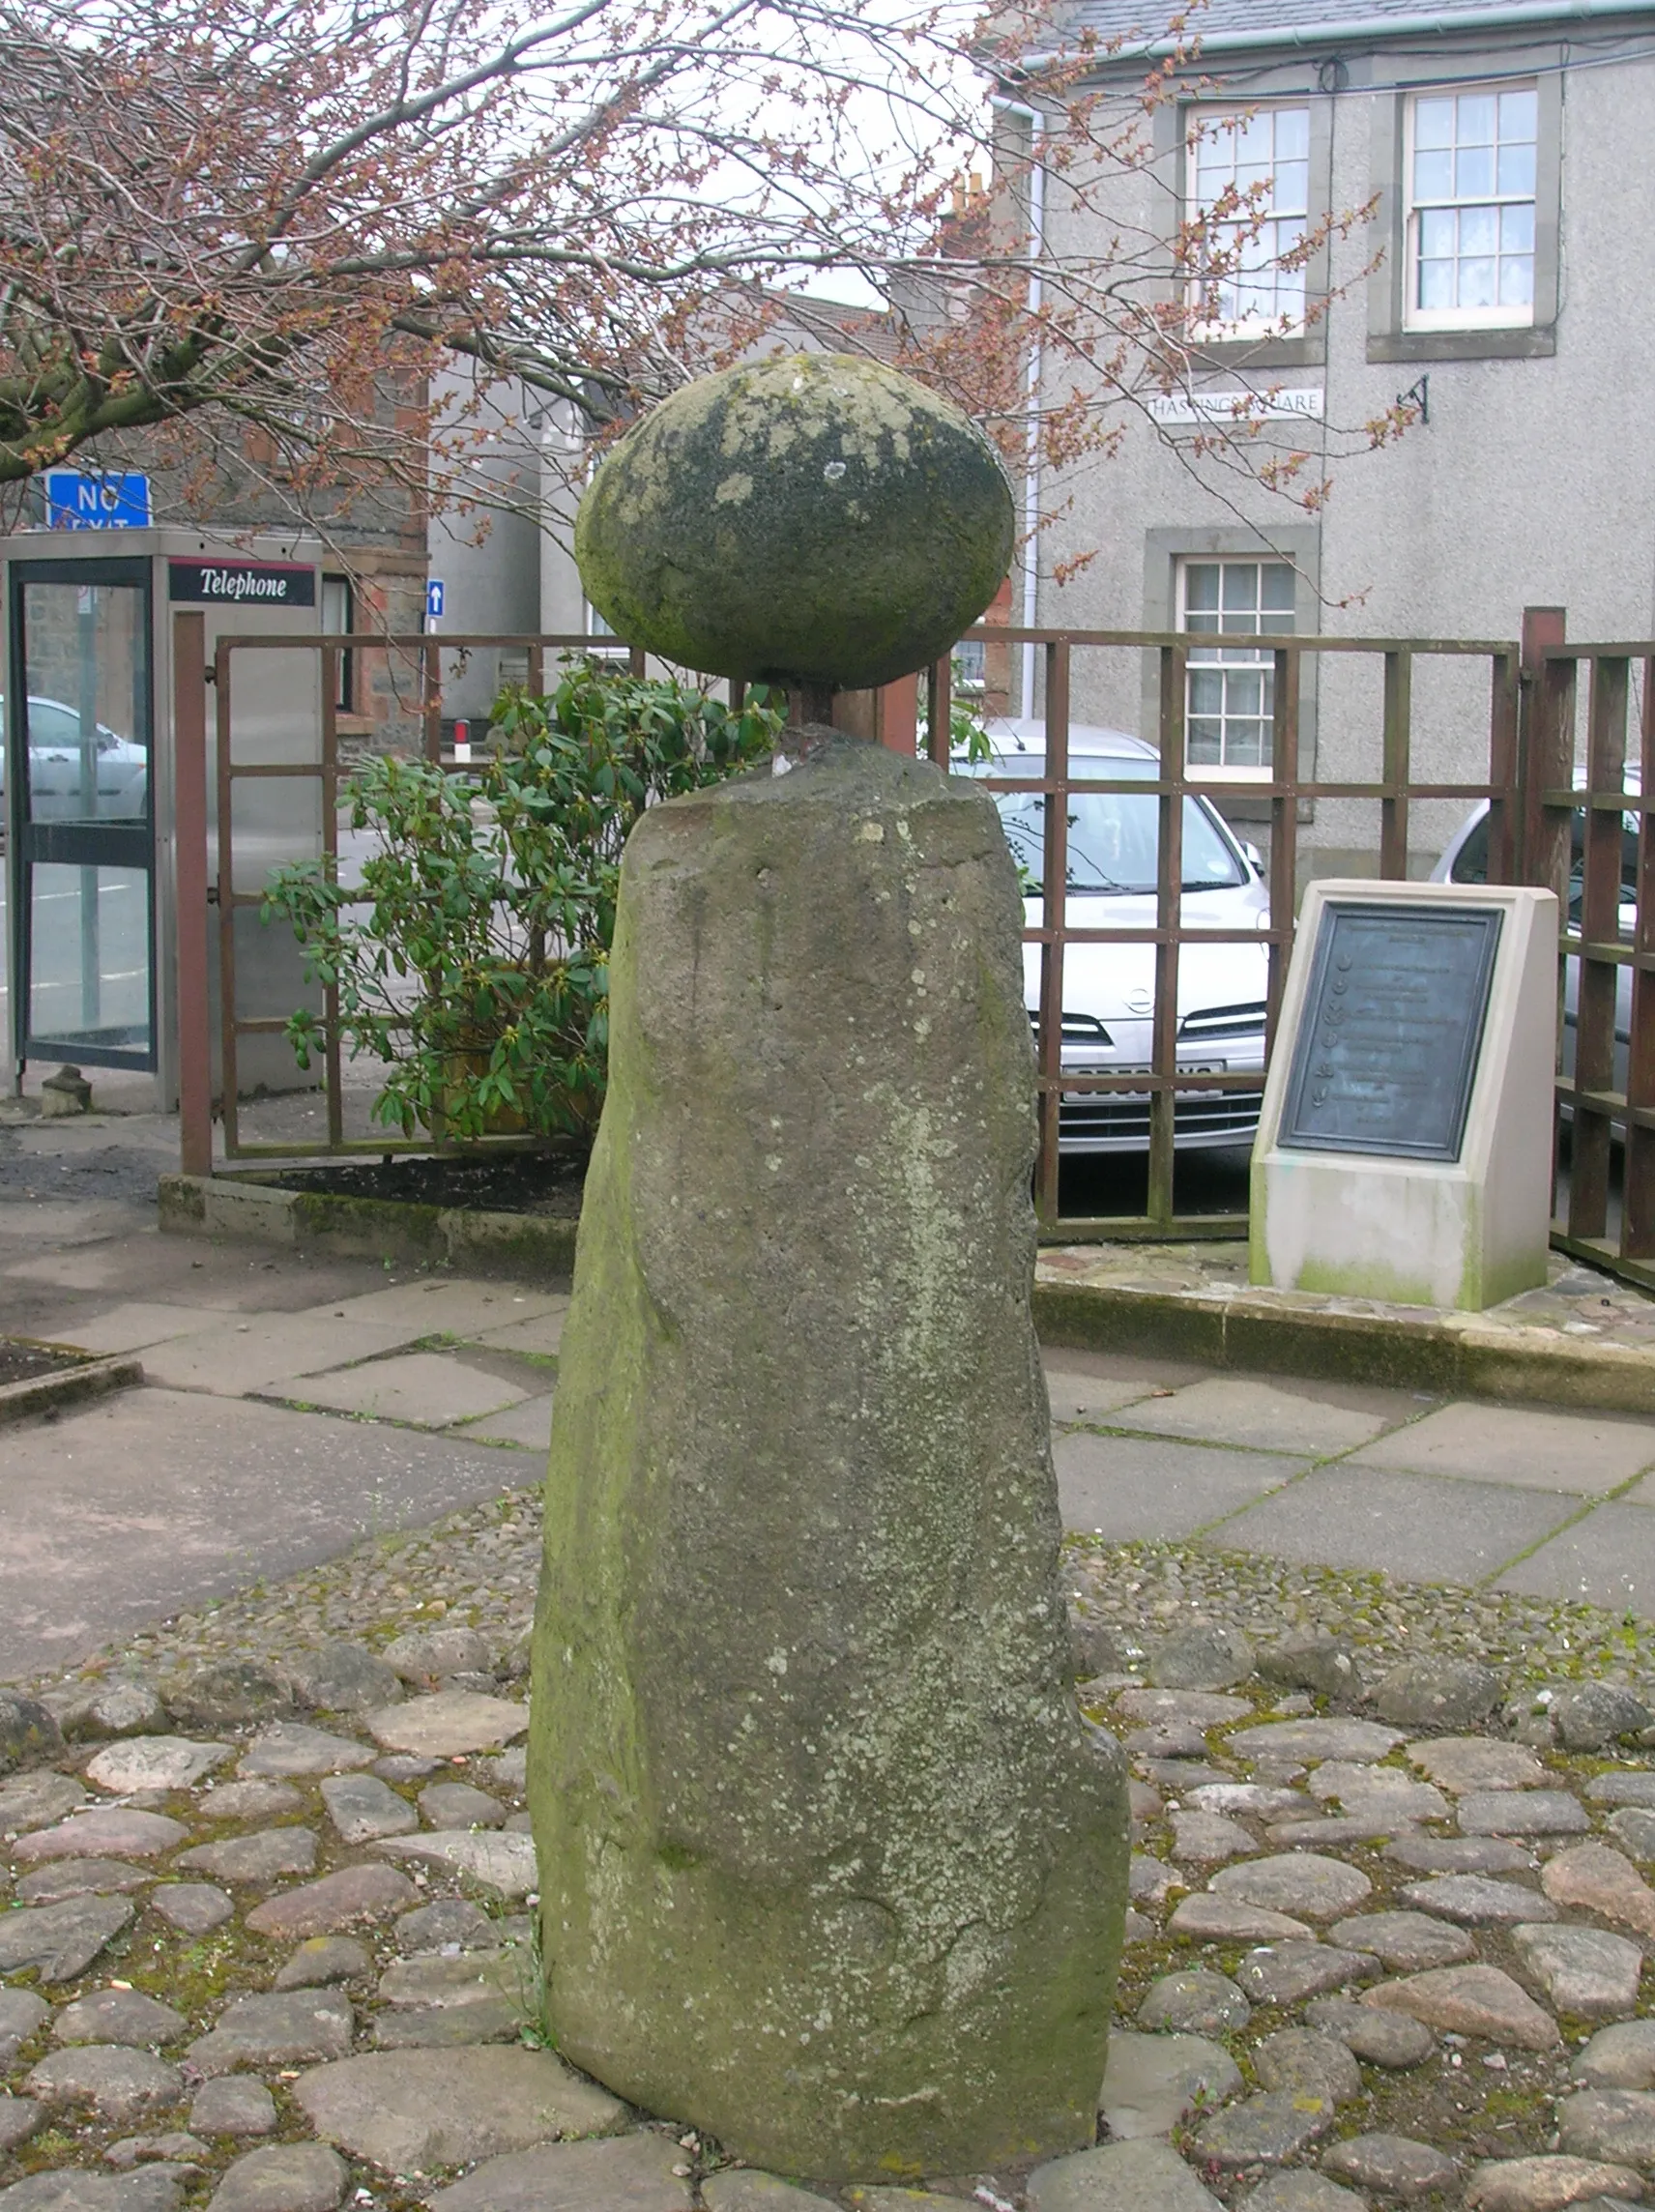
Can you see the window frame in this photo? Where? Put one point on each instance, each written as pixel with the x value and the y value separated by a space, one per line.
pixel 1299 544
pixel 1222 771
pixel 1415 318
pixel 1390 337
pixel 345 697
pixel 969 668
pixel 1171 130
pixel 1195 117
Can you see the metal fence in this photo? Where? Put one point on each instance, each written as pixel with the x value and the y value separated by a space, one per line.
pixel 1284 790
pixel 422 655
pixel 1543 829
pixel 1588 841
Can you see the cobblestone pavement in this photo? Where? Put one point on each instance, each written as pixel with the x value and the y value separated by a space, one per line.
pixel 1383 1665
pixel 267 1944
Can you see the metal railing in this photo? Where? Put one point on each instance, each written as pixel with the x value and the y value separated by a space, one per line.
pixel 1529 786
pixel 192 677
pixel 1284 790
pixel 1589 842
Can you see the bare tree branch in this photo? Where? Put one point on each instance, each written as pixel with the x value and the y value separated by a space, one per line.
pixel 285 220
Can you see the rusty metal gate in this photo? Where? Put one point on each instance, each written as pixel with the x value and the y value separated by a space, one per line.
pixel 1543 827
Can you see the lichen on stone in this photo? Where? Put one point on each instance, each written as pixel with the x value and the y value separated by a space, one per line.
pixel 718 534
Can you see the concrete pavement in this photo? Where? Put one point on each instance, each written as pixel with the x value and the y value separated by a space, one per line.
pixel 1557 1504
pixel 242 1459
pixel 294 1405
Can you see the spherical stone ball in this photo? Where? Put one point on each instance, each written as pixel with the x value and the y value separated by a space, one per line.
pixel 817 520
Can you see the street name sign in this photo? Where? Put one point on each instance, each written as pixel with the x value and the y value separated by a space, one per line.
pixel 1280 404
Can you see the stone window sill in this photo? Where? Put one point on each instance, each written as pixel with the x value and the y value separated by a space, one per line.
pixel 1528 344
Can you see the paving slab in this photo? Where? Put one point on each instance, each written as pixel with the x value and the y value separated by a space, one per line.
pixel 155 1501
pixel 132 1326
pixel 541 1335
pixel 527 1425
pixel 428 1388
pixel 1608 1557
pixel 454 1306
pixel 110 1123
pixel 29 1223
pixel 1527 1446
pixel 1129 1489
pixel 233 1356
pixel 1093 1398
pixel 140 1264
pixel 1273 1416
pixel 1415 1526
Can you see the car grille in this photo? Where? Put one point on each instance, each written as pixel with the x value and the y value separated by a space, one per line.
pixel 1223 1022
pixel 1119 1114
pixel 1076 1028
pixel 1123 1117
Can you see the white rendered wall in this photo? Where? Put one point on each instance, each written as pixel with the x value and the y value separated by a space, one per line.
pixel 1530 485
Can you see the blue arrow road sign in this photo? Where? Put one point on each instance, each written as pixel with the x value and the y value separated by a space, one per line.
pixel 116 500
pixel 435 594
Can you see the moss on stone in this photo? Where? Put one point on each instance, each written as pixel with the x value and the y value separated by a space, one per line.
pixel 370 1228
pixel 819 519
pixel 526 1247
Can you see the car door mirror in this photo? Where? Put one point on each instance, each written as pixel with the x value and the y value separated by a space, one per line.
pixel 1254 858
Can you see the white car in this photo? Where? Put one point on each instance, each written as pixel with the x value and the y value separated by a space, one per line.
pixel 54 768
pixel 1108 990
pixel 1465 860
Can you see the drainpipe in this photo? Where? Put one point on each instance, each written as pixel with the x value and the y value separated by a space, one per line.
pixel 1036 123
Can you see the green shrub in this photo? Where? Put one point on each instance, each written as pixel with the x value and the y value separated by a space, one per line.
pixel 472 959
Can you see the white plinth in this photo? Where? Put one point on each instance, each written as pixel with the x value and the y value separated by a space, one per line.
pixel 1464 1233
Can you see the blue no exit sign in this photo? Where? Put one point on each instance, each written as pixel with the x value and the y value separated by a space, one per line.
pixel 116 500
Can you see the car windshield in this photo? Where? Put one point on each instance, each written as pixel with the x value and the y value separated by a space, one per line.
pixel 1113 835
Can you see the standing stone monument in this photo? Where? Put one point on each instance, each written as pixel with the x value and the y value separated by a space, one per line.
pixel 831 1866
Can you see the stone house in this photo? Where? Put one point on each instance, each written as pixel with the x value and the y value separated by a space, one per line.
pixel 1497 286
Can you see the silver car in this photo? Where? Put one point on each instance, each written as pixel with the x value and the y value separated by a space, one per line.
pixel 1108 990
pixel 55 768
pixel 1465 860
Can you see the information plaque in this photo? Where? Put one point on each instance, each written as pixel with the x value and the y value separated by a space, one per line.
pixel 1392 1027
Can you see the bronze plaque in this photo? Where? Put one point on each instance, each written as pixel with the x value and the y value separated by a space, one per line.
pixel 1391 1030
